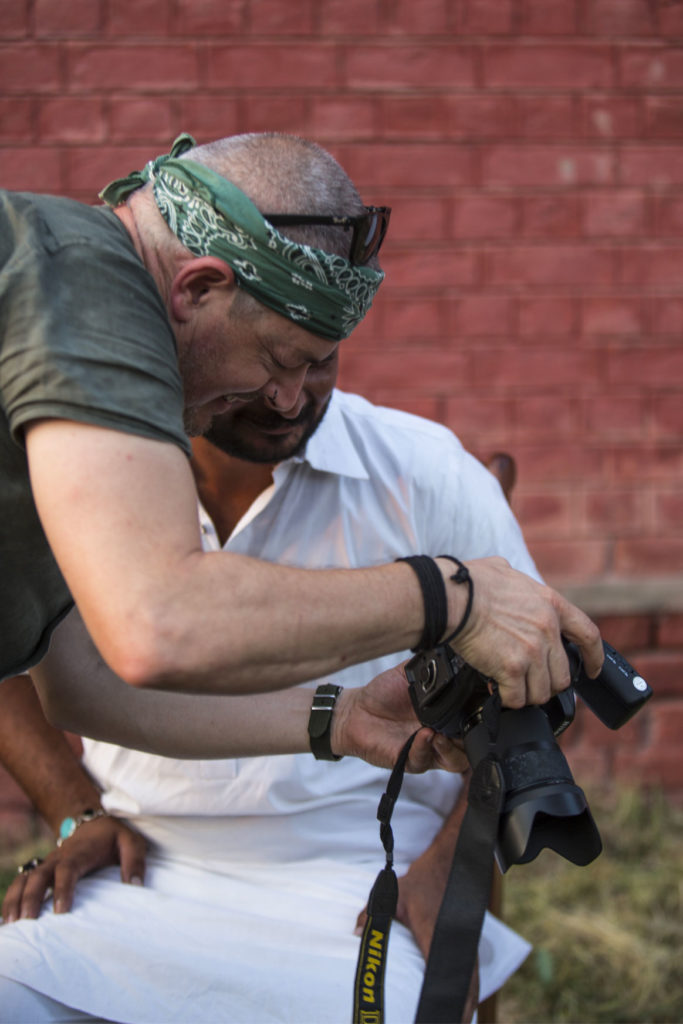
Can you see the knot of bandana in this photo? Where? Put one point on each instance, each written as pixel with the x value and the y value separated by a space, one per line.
pixel 210 216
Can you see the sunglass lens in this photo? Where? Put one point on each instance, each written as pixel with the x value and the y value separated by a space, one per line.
pixel 371 234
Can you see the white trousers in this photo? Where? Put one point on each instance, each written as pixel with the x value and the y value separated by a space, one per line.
pixel 22 1005
pixel 265 944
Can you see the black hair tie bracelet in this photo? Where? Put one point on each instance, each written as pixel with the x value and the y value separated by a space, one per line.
pixel 434 598
pixel 461 576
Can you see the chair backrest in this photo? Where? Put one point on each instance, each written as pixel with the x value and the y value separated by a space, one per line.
pixel 504 468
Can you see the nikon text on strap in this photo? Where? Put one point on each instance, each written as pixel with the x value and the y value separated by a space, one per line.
pixel 368 993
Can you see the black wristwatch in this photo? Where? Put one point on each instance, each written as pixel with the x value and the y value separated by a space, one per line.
pixel 320 722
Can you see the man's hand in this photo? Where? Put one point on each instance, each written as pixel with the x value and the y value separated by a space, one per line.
pixel 514 633
pixel 96 844
pixel 374 722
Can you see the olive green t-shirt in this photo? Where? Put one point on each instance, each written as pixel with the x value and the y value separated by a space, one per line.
pixel 84 336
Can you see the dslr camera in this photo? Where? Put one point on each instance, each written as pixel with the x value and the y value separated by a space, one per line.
pixel 543 806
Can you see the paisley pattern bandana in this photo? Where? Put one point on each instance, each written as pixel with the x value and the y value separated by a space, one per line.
pixel 210 216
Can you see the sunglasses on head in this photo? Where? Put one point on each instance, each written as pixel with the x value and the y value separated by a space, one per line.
pixel 369 228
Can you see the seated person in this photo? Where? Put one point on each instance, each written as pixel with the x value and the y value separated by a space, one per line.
pixel 257 868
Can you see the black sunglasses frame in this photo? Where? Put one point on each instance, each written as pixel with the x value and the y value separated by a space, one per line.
pixel 369 228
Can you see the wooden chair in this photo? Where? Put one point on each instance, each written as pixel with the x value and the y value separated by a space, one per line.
pixel 488 1010
pixel 504 469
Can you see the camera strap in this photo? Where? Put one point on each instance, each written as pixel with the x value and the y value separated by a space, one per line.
pixel 368 992
pixel 453 951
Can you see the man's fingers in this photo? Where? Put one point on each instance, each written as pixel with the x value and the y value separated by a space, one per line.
pixel 12 902
pixel 35 887
pixel 449 754
pixel 421 756
pixel 434 750
pixel 515 632
pixel 66 875
pixel 132 855
pixel 63 869
pixel 541 682
pixel 558 668
pixel 585 634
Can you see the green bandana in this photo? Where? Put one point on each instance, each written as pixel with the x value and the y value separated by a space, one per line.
pixel 326 294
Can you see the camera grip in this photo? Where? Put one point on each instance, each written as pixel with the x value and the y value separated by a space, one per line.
pixel 616 694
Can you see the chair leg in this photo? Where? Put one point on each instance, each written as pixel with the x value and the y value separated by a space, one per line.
pixel 489 1008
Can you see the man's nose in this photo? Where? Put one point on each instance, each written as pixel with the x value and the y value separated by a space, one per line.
pixel 285 391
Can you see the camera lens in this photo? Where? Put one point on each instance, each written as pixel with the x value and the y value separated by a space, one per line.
pixel 543 805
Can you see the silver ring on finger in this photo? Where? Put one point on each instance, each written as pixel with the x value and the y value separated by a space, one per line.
pixel 34 862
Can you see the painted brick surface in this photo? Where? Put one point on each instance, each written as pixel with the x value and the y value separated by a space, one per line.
pixel 646 751
pixel 533 153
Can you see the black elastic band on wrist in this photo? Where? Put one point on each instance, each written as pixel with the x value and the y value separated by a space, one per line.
pixel 434 597
pixel 461 576
pixel 320 722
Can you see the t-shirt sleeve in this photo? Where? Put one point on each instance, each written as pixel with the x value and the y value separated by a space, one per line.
pixel 86 338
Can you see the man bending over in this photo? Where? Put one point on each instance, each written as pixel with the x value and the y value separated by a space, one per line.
pixel 122 329
pixel 258 868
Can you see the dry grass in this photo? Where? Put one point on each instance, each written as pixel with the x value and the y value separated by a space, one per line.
pixel 607 937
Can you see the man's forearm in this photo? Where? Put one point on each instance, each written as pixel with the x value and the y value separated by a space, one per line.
pixel 165 614
pixel 293 624
pixel 80 693
pixel 39 757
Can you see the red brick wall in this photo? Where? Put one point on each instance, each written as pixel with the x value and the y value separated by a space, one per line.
pixel 533 153
pixel 647 750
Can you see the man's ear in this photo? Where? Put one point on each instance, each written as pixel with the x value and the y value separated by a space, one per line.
pixel 195 280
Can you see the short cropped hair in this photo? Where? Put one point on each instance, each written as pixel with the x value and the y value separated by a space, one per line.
pixel 288 174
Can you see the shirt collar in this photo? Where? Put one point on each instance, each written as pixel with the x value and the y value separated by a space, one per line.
pixel 332 449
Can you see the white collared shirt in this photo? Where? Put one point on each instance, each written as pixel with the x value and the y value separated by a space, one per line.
pixel 374 484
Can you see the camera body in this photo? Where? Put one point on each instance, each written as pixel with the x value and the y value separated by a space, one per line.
pixel 543 805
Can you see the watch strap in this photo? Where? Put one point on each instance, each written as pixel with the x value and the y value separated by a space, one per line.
pixel 320 721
